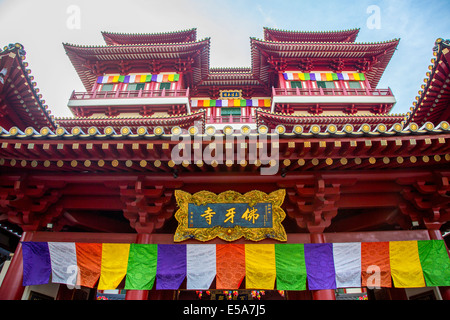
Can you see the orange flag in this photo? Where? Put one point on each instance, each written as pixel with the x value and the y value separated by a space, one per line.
pixel 375 264
pixel 89 259
pixel 230 265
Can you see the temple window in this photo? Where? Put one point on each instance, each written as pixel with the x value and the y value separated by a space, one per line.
pixel 230 111
pixel 326 84
pixel 164 85
pixel 107 87
pixel 296 84
pixel 136 86
pixel 354 85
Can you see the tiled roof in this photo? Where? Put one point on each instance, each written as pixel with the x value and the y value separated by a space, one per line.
pixel 19 90
pixel 432 102
pixel 271 34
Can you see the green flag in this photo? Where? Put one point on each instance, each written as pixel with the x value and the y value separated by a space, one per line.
pixel 435 262
pixel 141 271
pixel 290 266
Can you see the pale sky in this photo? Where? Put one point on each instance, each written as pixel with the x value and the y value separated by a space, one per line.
pixel 42 26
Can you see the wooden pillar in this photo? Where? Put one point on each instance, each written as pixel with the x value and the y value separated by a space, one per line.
pixel 142 238
pixel 281 80
pixel 12 288
pixel 321 294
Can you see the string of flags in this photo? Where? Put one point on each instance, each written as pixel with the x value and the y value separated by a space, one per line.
pixel 319 76
pixel 231 103
pixel 404 264
pixel 140 78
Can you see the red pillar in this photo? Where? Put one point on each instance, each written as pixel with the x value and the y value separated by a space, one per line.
pixel 435 234
pixel 12 288
pixel 321 294
pixel 142 238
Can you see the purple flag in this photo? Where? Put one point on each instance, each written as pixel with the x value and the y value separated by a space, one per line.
pixel 312 76
pixel 218 103
pixel 285 76
pixel 126 79
pixel 320 266
pixel 171 267
pixel 154 77
pixel 100 79
pixel 340 76
pixel 36 263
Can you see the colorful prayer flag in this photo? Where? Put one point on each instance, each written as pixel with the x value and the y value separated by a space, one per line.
pixel 114 265
pixel 320 266
pixel 141 269
pixel 347 264
pixel 171 268
pixel 290 266
pixel 36 263
pixel 435 262
pixel 201 266
pixel 260 267
pixel 63 257
pixel 406 270
pixel 89 259
pixel 230 265
pixel 375 265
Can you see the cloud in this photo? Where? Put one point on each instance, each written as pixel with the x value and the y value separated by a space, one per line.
pixel 268 20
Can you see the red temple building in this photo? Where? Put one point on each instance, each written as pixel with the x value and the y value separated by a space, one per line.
pixel 349 169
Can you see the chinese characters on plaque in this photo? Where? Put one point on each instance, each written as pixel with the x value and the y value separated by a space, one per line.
pixel 229 215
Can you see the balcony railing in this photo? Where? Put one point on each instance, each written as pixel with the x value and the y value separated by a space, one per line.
pixel 130 94
pixel 331 92
pixel 230 119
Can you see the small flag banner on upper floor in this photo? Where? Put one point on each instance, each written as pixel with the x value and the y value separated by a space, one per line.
pixel 319 76
pixel 231 103
pixel 140 78
pixel 310 266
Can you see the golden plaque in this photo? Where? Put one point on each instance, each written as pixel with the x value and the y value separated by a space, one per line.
pixel 230 215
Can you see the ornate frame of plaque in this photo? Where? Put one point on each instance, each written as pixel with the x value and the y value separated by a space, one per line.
pixel 230 215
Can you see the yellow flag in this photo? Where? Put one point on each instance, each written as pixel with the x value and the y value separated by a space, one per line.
pixel 114 265
pixel 260 267
pixel 406 269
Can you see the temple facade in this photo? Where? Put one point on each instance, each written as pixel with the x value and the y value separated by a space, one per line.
pixel 168 162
